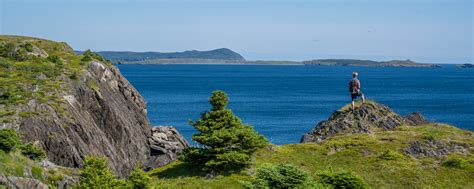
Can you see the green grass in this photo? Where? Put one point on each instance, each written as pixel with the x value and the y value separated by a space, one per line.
pixel 377 158
pixel 34 77
pixel 15 164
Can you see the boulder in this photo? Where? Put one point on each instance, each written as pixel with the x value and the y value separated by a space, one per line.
pixel 165 143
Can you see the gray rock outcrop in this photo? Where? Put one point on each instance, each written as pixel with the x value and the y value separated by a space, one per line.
pixel 12 182
pixel 435 148
pixel 101 114
pixel 365 119
pixel 165 143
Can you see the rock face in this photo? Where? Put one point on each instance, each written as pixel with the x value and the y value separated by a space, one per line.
pixel 12 182
pixel 364 119
pixel 416 118
pixel 102 115
pixel 165 142
pixel 435 148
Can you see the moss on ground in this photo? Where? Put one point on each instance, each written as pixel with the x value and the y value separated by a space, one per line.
pixel 377 158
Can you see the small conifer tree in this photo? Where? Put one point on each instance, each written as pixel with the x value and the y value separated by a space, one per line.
pixel 96 174
pixel 138 179
pixel 227 143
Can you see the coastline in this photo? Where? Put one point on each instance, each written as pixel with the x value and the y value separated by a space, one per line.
pixel 278 64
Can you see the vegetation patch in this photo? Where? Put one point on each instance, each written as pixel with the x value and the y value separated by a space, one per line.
pixel 32 151
pixel 343 180
pixel 459 163
pixel 281 176
pixel 390 155
pixel 9 139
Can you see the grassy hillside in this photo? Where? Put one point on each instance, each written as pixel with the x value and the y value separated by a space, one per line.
pixel 16 164
pixel 32 68
pixel 378 158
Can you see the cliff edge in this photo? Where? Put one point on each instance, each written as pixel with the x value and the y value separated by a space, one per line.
pixel 74 106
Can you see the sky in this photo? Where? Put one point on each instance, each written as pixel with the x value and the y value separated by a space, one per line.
pixel 434 31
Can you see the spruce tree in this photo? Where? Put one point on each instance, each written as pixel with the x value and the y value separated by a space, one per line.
pixel 225 142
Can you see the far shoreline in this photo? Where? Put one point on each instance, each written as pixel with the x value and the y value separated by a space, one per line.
pixel 288 64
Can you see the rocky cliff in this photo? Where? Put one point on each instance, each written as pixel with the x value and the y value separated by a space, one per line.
pixel 76 106
pixel 366 118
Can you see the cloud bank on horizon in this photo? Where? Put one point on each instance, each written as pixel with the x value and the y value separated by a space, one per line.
pixel 439 31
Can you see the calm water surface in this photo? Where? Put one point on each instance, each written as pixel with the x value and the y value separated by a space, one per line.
pixel 283 102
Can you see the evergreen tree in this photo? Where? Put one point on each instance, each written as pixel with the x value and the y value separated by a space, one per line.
pixel 96 174
pixel 138 179
pixel 226 142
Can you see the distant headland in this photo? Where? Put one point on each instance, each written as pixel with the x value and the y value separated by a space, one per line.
pixel 227 56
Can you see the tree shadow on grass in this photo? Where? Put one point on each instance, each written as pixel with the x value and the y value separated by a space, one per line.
pixel 183 169
pixel 180 170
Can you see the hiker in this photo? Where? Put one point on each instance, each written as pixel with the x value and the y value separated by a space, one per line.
pixel 354 89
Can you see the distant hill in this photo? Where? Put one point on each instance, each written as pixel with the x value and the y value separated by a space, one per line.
pixel 222 54
pixel 227 56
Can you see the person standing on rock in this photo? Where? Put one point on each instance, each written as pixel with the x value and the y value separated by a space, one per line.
pixel 354 89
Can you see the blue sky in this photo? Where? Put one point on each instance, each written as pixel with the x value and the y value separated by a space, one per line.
pixel 425 30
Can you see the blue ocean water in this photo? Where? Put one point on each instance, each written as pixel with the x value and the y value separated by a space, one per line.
pixel 284 102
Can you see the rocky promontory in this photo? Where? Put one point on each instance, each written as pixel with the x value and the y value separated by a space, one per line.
pixel 75 106
pixel 366 118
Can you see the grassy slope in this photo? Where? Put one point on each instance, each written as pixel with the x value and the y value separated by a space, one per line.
pixel 19 78
pixel 16 164
pixel 345 154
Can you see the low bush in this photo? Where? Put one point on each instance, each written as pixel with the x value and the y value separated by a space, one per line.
pixel 138 179
pixel 32 151
pixel 455 162
pixel 55 59
pixel 8 140
pixel 281 176
pixel 390 155
pixel 343 180
pixel 28 47
pixel 73 76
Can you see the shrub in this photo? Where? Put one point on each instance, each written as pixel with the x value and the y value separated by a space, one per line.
pixel 343 180
pixel 96 174
pixel 33 152
pixel 55 59
pixel 227 144
pixel 21 55
pixel 455 162
pixel 138 178
pixel 390 155
pixel 280 176
pixel 8 139
pixel 86 58
pixel 8 50
pixel 37 172
pixel 28 47
pixel 88 55
pixel 73 76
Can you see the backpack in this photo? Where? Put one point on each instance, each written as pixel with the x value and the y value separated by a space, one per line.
pixel 352 86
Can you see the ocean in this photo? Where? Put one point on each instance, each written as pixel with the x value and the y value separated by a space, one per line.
pixel 283 102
